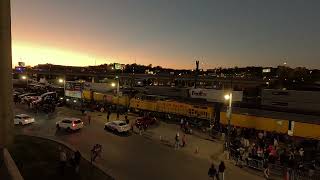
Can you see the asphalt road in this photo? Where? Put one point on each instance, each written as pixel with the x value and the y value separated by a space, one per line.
pixel 124 157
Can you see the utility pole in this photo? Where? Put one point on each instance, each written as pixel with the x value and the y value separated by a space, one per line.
pixel 196 75
pixel 6 114
pixel 118 86
pixel 133 80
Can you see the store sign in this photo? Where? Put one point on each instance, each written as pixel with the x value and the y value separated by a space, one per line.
pixel 73 86
pixel 213 95
pixel 73 89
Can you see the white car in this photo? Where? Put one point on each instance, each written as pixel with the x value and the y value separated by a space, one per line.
pixel 23 119
pixel 118 126
pixel 70 124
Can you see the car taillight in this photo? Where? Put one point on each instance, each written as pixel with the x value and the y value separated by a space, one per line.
pixel 73 124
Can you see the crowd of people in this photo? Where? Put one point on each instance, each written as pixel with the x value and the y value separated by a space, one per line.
pixel 280 150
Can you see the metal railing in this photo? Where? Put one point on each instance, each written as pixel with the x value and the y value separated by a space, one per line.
pixel 276 169
pixel 255 163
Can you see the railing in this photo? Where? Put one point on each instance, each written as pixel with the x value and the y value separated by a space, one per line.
pixel 255 164
pixel 276 169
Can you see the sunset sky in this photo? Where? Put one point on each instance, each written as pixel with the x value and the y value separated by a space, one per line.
pixel 170 33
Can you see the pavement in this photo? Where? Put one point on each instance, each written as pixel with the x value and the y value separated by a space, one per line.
pixel 136 156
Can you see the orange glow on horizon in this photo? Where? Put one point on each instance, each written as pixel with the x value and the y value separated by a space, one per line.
pixel 35 54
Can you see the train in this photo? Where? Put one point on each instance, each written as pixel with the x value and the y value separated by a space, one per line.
pixel 205 115
pixel 156 105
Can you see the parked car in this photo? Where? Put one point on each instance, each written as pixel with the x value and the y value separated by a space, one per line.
pixel 145 121
pixel 70 124
pixel 23 119
pixel 20 97
pixel 117 126
pixel 29 99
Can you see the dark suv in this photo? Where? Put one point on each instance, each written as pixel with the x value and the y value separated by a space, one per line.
pixel 145 121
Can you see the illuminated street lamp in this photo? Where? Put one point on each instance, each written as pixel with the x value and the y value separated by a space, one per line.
pixel 61 80
pixel 113 84
pixel 228 97
pixel 25 78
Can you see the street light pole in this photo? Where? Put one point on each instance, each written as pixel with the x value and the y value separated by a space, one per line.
pixel 229 118
pixel 118 82
pixel 118 98
pixel 229 113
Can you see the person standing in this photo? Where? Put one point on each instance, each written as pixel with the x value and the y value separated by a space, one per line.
pixel 132 126
pixel 266 171
pixel 176 145
pixel 126 119
pixel 212 172
pixel 181 123
pixel 102 109
pixel 222 168
pixel 89 119
pixel 77 158
pixel 184 140
pixel 140 129
pixel 63 160
pixel 93 153
pixel 108 114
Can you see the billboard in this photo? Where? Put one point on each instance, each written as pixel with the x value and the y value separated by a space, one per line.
pixel 213 95
pixel 73 89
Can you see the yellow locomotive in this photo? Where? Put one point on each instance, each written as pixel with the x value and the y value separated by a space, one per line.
pixel 105 98
pixel 176 108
